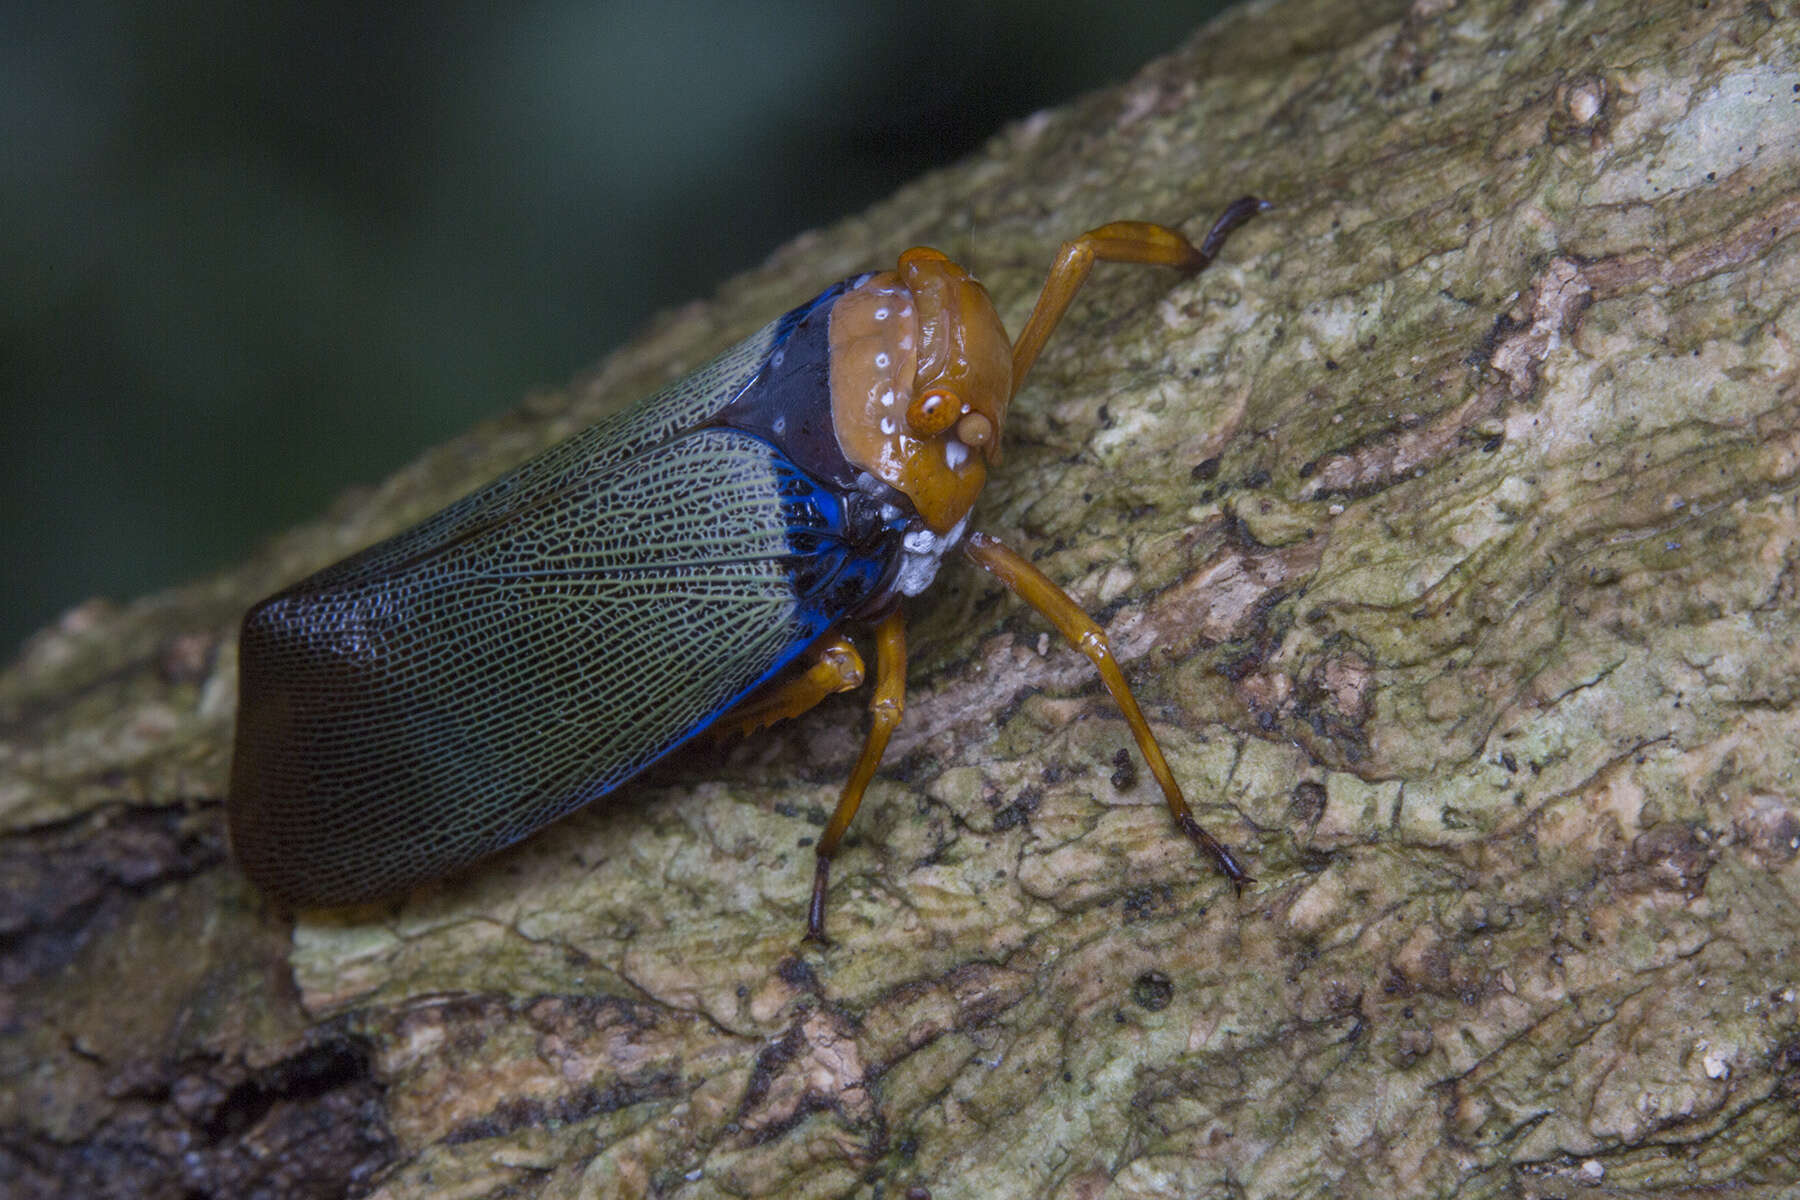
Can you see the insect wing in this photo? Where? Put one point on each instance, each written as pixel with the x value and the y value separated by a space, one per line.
pixel 448 692
pixel 610 443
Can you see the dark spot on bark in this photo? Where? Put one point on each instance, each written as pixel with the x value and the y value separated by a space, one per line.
pixel 1499 331
pixel 1314 861
pixel 798 974
pixel 1019 811
pixel 1787 1069
pixel 1308 801
pixel 912 766
pixel 1140 904
pixel 1125 773
pixel 770 1062
pixel 1242 666
pixel 1152 991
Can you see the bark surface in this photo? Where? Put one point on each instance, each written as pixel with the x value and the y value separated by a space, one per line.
pixel 1449 529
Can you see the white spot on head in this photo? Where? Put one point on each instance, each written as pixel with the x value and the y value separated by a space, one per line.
pixel 881 314
pixel 906 342
pixel 955 453
pixel 887 398
pixel 922 541
pixel 881 359
pixel 780 425
pixel 775 359
pixel 887 424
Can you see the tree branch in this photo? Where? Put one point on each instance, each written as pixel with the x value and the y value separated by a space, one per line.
pixel 1447 528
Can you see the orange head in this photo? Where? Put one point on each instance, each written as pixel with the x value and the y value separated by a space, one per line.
pixel 921 373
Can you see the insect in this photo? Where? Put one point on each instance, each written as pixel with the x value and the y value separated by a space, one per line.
pixel 691 563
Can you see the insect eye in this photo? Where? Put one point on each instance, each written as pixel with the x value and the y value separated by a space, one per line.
pixel 933 411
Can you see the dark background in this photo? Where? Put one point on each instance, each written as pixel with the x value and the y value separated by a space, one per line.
pixel 252 254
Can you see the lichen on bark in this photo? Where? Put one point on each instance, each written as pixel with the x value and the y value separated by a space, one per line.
pixel 1448 527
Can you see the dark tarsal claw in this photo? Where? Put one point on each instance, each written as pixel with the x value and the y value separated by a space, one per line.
pixel 1235 214
pixel 1219 853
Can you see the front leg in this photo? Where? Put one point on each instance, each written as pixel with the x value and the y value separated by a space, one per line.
pixel 1084 633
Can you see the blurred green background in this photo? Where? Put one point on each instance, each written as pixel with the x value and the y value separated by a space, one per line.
pixel 255 253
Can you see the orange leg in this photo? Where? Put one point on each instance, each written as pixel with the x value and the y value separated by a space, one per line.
pixel 1124 242
pixel 835 667
pixel 1036 589
pixel 885 709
